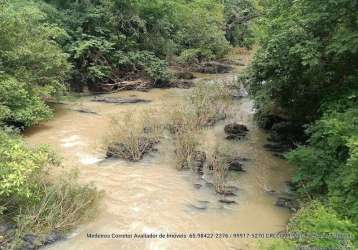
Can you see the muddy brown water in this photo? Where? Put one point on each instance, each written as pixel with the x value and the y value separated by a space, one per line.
pixel 152 196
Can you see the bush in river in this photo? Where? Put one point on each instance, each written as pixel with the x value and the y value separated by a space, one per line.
pixel 206 104
pixel 30 201
pixel 134 136
pixel 182 125
pixel 209 103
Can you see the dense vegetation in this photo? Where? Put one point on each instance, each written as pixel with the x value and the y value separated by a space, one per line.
pixel 305 71
pixel 50 46
pixel 47 44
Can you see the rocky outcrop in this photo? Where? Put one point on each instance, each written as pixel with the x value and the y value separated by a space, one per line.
pixel 235 131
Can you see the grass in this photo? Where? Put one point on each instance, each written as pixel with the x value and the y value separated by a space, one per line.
pixel 209 103
pixel 183 126
pixel 218 166
pixel 202 108
pixel 133 136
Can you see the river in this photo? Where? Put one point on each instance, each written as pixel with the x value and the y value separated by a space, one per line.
pixel 152 196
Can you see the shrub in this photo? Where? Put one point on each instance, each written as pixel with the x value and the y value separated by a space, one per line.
pixel 316 226
pixel 323 227
pixel 155 68
pixel 63 205
pixel 209 103
pixel 20 166
pixel 182 125
pixel 33 67
pixel 327 165
pixel 19 105
pixel 30 200
pixel 218 165
pixel 195 56
pixel 205 106
pixel 134 136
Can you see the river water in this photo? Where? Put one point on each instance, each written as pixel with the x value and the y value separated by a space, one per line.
pixel 152 196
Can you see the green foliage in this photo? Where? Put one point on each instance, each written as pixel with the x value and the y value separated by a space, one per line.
pixel 19 105
pixel 316 226
pixel 28 48
pixel 193 56
pixel 328 164
pixel 20 166
pixel 239 16
pixel 32 65
pixel 104 35
pixel 305 69
pixel 331 231
pixel 307 51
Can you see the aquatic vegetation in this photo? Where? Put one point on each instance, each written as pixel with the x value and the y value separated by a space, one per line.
pixel 133 136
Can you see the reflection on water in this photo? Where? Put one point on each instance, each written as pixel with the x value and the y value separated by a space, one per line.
pixel 152 196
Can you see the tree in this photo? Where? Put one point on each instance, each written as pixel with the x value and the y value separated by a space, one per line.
pixel 32 65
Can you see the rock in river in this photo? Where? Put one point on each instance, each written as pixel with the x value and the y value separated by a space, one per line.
pixel 236 165
pixel 227 201
pixel 118 100
pixel 235 131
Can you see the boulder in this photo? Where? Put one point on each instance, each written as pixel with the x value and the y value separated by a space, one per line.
pixel 53 237
pixel 31 242
pixel 286 202
pixel 236 165
pixel 235 131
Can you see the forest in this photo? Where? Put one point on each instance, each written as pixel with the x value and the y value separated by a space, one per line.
pixel 302 77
